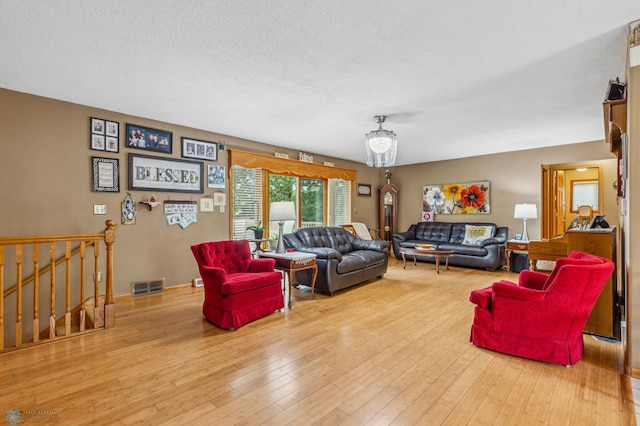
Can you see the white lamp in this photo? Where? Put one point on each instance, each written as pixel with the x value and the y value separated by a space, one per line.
pixel 280 211
pixel 380 145
pixel 524 212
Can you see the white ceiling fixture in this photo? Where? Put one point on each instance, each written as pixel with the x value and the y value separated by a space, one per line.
pixel 380 145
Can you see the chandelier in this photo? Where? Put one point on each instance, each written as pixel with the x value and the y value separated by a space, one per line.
pixel 380 145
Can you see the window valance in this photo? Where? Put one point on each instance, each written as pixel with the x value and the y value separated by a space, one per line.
pixel 278 165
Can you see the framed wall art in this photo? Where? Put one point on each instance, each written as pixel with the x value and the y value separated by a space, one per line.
pixel 104 135
pixel 105 174
pixel 456 198
pixel 364 190
pixel 203 150
pixel 164 174
pixel 148 139
pixel 215 176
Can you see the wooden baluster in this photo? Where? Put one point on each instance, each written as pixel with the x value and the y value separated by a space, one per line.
pixel 1 297
pixel 96 290
pixel 109 306
pixel 82 272
pixel 52 307
pixel 19 295
pixel 67 313
pixel 36 276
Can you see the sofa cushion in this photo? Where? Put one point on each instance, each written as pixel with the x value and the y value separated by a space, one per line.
pixel 464 250
pixel 438 232
pixel 459 230
pixel 350 263
pixel 475 234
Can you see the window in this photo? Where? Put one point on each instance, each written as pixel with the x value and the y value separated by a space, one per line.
pixel 247 201
pixel 322 194
pixel 584 193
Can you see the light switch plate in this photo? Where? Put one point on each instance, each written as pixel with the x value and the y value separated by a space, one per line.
pixel 99 209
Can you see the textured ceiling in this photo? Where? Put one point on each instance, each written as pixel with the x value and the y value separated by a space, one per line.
pixel 456 78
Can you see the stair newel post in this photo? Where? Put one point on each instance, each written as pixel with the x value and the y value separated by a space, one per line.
pixel 36 281
pixel 109 307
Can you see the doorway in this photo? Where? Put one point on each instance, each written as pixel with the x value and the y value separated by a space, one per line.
pixel 565 187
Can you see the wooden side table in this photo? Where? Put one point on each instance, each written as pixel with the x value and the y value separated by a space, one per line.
pixel 516 246
pixel 291 262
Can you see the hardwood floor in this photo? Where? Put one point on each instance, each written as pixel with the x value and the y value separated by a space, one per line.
pixel 394 351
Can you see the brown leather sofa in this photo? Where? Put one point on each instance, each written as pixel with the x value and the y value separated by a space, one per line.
pixel 343 259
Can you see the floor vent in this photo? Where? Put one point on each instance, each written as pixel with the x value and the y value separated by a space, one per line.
pixel 146 287
pixel 197 282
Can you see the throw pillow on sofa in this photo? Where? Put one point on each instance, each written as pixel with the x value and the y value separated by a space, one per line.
pixel 474 235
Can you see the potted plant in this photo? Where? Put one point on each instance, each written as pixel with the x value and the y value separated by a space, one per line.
pixel 258 230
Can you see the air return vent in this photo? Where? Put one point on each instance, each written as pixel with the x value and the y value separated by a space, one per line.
pixel 197 282
pixel 146 287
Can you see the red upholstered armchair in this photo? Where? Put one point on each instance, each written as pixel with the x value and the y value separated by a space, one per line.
pixel 237 288
pixel 543 316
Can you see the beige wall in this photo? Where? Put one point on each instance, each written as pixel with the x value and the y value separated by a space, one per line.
pixel 46 187
pixel 514 178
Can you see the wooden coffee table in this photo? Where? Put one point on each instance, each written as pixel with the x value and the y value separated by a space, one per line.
pixel 431 252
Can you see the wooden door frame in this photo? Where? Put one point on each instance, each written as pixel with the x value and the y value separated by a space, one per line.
pixel 549 190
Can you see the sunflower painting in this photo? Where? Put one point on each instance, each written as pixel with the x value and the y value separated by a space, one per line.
pixel 456 198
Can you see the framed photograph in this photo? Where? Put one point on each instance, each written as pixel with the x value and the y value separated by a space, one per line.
pixel 97 126
pixel 215 176
pixel 164 174
pixel 598 221
pixel 364 190
pixel 148 139
pixel 112 128
pixel 111 144
pixel 203 150
pixel 106 174
pixel 104 135
pixel 97 142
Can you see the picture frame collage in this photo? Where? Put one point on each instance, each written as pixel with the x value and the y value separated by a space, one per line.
pixel 104 136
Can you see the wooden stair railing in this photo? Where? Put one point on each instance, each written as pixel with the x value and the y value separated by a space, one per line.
pixel 85 241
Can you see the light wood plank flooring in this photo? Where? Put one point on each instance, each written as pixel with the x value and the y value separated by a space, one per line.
pixel 391 352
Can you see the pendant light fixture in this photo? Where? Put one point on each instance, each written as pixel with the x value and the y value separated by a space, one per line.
pixel 380 145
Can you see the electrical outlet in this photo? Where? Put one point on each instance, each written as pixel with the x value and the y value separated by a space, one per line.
pixel 99 276
pixel 221 209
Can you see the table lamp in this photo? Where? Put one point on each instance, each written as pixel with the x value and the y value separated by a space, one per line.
pixel 524 212
pixel 281 211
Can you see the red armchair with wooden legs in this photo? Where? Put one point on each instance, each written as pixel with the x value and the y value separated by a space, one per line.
pixel 543 316
pixel 237 288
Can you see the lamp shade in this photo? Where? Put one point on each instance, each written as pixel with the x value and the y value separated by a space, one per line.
pixel 525 211
pixel 280 211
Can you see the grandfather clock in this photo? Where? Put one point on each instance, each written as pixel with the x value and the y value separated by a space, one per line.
pixel 388 212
